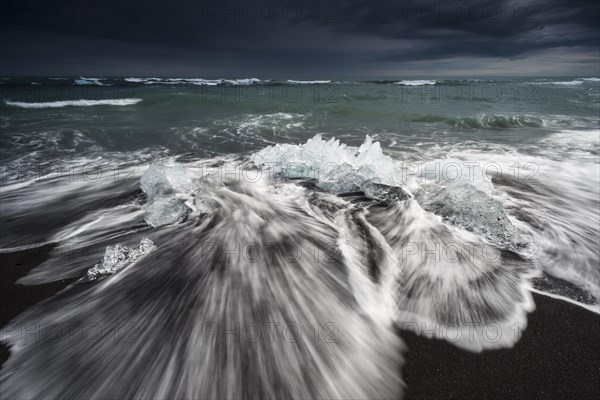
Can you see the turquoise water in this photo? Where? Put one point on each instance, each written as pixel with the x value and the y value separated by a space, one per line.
pixel 239 116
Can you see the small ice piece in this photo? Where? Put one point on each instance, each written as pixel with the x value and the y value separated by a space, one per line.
pixel 165 210
pixel 204 205
pixel 465 206
pixel 162 180
pixel 116 257
pixel 161 183
pixel 384 193
pixel 154 181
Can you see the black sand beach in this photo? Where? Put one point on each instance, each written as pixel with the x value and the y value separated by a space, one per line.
pixel 558 356
pixel 300 199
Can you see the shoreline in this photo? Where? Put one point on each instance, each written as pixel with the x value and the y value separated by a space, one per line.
pixel 557 357
pixel 595 308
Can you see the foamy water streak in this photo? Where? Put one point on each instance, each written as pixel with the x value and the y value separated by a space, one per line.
pixel 308 82
pixel 194 281
pixel 225 303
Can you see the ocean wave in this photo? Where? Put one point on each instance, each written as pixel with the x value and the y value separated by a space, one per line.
pixel 562 83
pixel 260 126
pixel 271 290
pixel 245 81
pixel 174 81
pixel 578 143
pixel 498 121
pixel 128 81
pixel 415 82
pixel 221 81
pixel 194 81
pixel 487 121
pixel 307 82
pixel 328 259
pixel 74 103
pixel 275 249
pixel 589 79
pixel 90 81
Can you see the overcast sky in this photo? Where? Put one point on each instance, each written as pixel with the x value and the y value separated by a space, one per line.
pixel 302 39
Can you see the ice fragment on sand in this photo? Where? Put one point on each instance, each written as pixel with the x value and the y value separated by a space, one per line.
pixel 154 181
pixel 160 183
pixel 384 193
pixel 165 210
pixel 465 206
pixel 116 257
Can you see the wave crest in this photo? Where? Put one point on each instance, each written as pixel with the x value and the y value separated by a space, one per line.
pixel 74 103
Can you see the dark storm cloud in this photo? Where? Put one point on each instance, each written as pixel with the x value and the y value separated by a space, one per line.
pixel 295 38
pixel 499 29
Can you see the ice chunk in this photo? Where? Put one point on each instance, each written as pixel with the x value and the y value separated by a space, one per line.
pixel 454 172
pixel 465 206
pixel 154 180
pixel 116 257
pixel 335 166
pixel 161 183
pixel 204 205
pixel 384 193
pixel 162 180
pixel 165 210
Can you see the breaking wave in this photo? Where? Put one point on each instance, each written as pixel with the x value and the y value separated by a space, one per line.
pixel 74 103
pixel 307 82
pixel 282 274
pixel 416 83
pixel 193 81
pixel 90 81
pixel 576 82
pixel 498 121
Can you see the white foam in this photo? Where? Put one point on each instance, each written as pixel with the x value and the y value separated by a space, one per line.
pixel 137 80
pixel 457 293
pixel 247 81
pixel 590 307
pixel 347 355
pixel 416 82
pixel 589 79
pixel 74 103
pixel 193 81
pixel 306 82
pixel 562 83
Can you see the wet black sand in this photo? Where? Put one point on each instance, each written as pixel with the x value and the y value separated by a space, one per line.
pixel 558 356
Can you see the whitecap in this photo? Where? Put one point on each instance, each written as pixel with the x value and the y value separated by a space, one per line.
pixel 416 82
pixel 194 81
pixel 89 81
pixel 561 83
pixel 74 103
pixel 307 82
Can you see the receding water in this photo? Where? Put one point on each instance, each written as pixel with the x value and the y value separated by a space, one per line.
pixel 225 245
